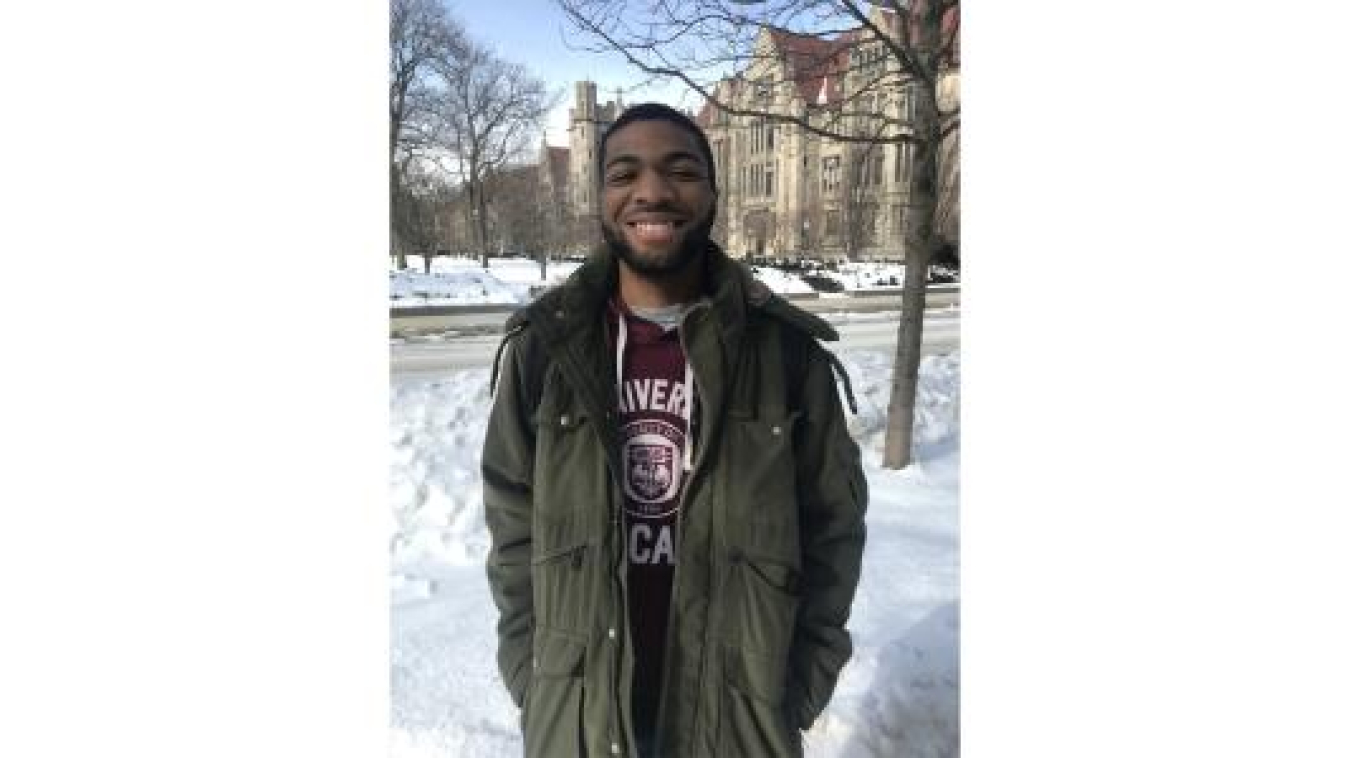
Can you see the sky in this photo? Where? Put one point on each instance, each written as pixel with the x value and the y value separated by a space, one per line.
pixel 538 35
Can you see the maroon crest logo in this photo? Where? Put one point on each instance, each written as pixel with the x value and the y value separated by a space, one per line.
pixel 652 467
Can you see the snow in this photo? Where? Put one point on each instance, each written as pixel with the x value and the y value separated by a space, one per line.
pixel 860 276
pixel 780 281
pixel 464 281
pixel 898 694
pixel 513 281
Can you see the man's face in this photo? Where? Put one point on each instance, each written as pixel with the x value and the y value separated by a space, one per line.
pixel 658 200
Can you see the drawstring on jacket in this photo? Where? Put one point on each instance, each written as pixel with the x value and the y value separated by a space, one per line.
pixel 848 385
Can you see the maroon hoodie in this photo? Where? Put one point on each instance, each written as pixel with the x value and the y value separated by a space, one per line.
pixel 654 413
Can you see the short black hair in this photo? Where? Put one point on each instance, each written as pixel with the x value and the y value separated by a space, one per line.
pixel 662 112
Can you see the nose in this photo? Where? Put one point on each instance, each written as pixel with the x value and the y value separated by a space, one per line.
pixel 652 188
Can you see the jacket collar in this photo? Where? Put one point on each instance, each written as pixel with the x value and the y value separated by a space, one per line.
pixel 576 306
pixel 572 326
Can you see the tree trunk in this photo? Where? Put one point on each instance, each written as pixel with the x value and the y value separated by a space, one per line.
pixel 482 230
pixel 480 222
pixel 396 210
pixel 899 447
pixel 847 195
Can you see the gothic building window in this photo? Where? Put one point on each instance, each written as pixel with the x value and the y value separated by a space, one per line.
pixel 871 169
pixel 829 173
pixel 762 89
pixel 867 225
pixel 904 159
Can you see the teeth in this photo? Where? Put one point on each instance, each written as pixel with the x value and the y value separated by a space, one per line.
pixel 654 231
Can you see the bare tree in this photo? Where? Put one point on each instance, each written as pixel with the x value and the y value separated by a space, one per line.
pixel 896 57
pixel 521 210
pixel 492 112
pixel 422 38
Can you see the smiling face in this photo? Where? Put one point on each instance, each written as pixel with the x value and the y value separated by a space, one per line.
pixel 658 198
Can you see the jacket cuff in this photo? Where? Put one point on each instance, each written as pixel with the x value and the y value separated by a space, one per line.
pixel 520 682
pixel 800 712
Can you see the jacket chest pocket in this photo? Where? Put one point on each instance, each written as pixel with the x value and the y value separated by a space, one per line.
pixel 762 534
pixel 760 486
pixel 569 465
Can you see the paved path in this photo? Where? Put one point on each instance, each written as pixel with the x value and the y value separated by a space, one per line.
pixel 423 360
pixel 466 320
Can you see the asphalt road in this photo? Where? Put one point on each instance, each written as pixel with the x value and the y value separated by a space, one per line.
pixel 428 359
pixel 466 320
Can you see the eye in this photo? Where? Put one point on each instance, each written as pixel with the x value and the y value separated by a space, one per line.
pixel 619 177
pixel 686 173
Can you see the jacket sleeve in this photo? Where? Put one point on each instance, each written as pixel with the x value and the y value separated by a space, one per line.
pixel 508 494
pixel 832 500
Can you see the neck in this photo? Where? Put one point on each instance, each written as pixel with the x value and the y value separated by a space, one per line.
pixel 642 291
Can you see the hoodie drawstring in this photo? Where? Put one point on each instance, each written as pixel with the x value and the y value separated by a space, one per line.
pixel 618 358
pixel 688 415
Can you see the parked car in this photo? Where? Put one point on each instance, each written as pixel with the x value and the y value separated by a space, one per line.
pixel 822 283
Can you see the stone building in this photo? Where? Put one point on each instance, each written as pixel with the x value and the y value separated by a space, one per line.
pixel 569 177
pixel 587 122
pixel 789 192
pixel 785 192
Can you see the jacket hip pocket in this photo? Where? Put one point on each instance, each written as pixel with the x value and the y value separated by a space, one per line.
pixel 768 593
pixel 753 719
pixel 553 710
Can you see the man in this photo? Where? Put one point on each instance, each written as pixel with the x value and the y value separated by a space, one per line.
pixel 676 506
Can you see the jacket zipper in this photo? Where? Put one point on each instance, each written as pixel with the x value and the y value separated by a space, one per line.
pixel 619 569
pixel 679 533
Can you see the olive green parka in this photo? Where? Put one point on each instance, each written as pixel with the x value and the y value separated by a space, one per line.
pixel 769 544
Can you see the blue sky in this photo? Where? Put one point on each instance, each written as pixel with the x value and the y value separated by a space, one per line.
pixel 532 32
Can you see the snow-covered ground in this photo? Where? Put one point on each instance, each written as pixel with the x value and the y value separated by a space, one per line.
pixel 898 695
pixel 463 281
pixel 859 276
pixel 782 282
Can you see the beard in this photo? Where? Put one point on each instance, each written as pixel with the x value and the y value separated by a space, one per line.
pixel 662 264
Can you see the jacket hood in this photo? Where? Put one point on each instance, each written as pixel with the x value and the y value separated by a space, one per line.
pixel 576 305
pixel 584 294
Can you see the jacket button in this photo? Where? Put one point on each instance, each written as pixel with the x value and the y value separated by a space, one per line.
pixel 612 633
pixel 614 748
pixel 735 555
pixel 778 430
pixel 564 420
pixel 559 313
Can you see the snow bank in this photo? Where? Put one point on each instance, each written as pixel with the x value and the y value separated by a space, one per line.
pixel 860 276
pixel 897 696
pixel 780 281
pixel 414 288
pixel 462 281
